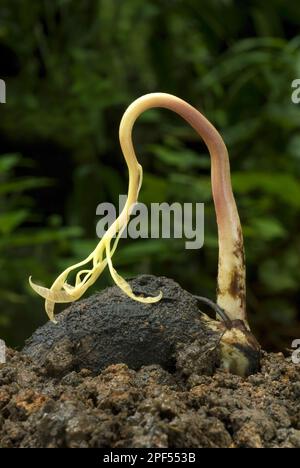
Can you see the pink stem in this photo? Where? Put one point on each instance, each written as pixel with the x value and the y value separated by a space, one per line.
pixel 231 289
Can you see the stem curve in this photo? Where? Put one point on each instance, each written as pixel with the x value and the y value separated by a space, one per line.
pixel 231 289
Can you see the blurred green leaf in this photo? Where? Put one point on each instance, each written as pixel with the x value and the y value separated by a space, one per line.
pixel 180 158
pixel 8 161
pixel 10 221
pixel 21 185
pixel 267 228
pixel 274 184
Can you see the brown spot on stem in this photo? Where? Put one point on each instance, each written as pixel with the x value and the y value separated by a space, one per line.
pixel 237 285
pixel 238 250
pixel 237 281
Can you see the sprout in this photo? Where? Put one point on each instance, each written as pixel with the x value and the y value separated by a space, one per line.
pixel 231 269
pixel 62 292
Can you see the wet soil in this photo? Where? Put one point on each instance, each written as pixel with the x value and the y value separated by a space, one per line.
pixel 62 392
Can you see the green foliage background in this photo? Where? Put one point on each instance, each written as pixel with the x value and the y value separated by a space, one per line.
pixel 72 67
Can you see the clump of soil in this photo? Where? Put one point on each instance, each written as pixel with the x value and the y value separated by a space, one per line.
pixel 57 395
pixel 109 328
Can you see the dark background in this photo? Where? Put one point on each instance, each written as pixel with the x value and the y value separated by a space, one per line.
pixel 72 68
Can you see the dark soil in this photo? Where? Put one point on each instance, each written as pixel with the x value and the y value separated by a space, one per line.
pixel 59 397
pixel 109 328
